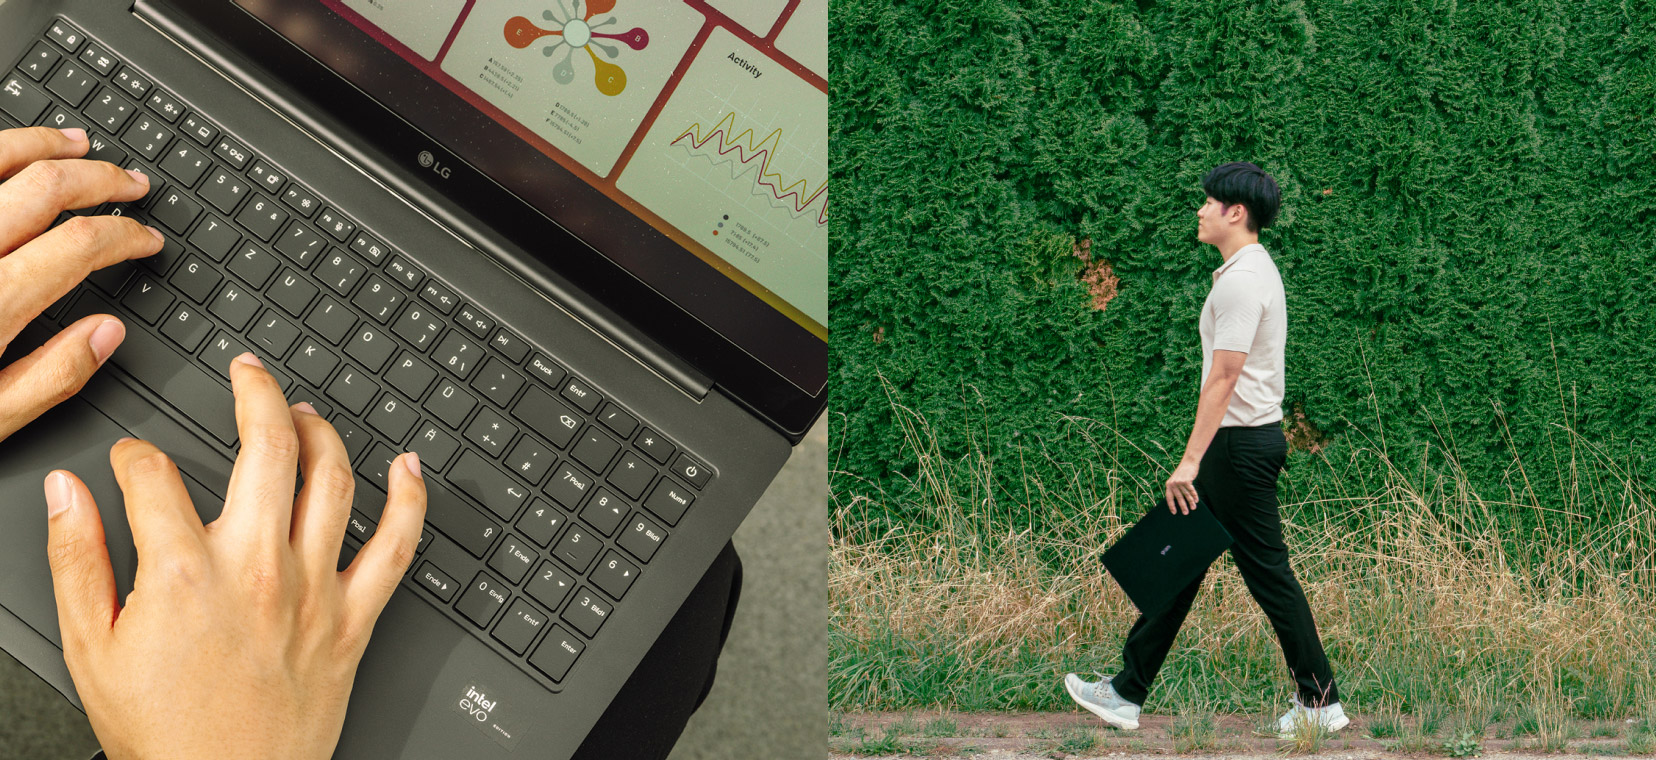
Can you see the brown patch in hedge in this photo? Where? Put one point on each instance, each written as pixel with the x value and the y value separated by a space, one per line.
pixel 1098 275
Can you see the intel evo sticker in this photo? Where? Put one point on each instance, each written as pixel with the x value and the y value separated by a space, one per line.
pixel 482 708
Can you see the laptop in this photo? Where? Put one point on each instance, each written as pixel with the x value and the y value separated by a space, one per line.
pixel 573 254
pixel 1163 552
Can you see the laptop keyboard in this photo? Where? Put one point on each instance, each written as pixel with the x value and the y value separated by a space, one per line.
pixel 559 495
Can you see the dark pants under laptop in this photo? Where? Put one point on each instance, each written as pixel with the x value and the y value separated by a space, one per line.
pixel 1237 481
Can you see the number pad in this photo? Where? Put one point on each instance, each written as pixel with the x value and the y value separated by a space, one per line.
pixel 551 585
pixel 577 548
pixel 642 537
pixel 614 575
pixel 587 613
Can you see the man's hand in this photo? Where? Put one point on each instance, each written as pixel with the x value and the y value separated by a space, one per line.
pixel 240 639
pixel 41 179
pixel 1181 489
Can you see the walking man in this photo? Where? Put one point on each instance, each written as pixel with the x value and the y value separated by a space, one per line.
pixel 1235 452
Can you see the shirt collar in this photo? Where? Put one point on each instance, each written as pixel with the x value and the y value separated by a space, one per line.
pixel 1246 250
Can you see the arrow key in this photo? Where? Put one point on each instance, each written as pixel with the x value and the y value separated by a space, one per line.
pixel 614 575
pixel 550 585
pixel 437 582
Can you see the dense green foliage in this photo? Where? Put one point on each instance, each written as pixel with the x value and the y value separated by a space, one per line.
pixel 1468 233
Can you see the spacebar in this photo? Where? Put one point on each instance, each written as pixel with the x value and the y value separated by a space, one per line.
pixel 168 373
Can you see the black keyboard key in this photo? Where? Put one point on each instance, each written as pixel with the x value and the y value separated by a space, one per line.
pixel 541 523
pixel 406 273
pixel 66 35
pixel 234 305
pixel 61 119
pixel 458 520
pixel 195 279
pixel 274 334
pixel 331 320
pixel 436 581
pixel 520 625
pixel 313 362
pixel 458 354
pixel 175 210
pixel 513 559
pixel 632 475
pixel 547 416
pixel 199 130
pixel 692 470
pixel 556 653
pixel 21 100
pixel 378 298
pixel 491 432
pixel 371 347
pixel 434 446
pixel 336 225
pixel 568 485
pixel 367 247
pixel 657 447
pixel 265 176
pixel 418 326
pixel 356 439
pixel 411 375
pixel 488 485
pixel 262 217
pixel 360 527
pixel 442 299
pixel 214 237
pixel 148 300
pixel 577 547
pixel 292 292
pixel 147 136
pixel 300 244
pixel 39 61
pixel 161 369
pixel 615 418
pixel 165 105
pixel 669 500
pixel 498 383
pixel 450 404
pixel 393 417
pixel 595 450
pixel 110 111
pixel 476 322
pixel 224 190
pixel 642 537
pixel 99 59
pixel 508 343
pixel 482 599
pixel 530 460
pixel 605 512
pixel 547 371
pixel 615 575
pixel 587 612
pixel 232 152
pixel 298 199
pixel 255 265
pixel 103 149
pixel 132 83
pixel 111 278
pixel 221 351
pixel 72 82
pixel 581 395
pixel 376 467
pixel 186 163
pixel 353 390
pixel 340 271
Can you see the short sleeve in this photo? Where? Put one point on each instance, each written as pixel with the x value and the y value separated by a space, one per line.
pixel 1238 304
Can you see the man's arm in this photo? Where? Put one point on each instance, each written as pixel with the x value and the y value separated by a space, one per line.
pixel 1210 411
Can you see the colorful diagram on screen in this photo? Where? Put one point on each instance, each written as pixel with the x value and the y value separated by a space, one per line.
pixel 796 195
pixel 579 31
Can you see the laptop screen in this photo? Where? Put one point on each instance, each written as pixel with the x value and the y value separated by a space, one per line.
pixel 683 140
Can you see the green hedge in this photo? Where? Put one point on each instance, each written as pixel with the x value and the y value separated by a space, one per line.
pixel 1468 233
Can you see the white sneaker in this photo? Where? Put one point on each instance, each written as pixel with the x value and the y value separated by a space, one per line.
pixel 1330 717
pixel 1102 700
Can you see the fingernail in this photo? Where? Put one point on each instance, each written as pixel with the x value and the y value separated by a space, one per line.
pixel 59 496
pixel 106 338
pixel 125 438
pixel 305 406
pixel 139 176
pixel 413 462
pixel 156 233
pixel 249 358
pixel 74 133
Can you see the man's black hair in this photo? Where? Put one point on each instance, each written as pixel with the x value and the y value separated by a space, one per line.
pixel 1249 185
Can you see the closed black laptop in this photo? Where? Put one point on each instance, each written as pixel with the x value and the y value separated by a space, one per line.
pixel 1163 552
pixel 575 256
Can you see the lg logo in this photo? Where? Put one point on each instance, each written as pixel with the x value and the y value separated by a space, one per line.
pixel 430 162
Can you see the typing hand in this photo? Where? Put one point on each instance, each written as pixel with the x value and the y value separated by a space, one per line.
pixel 42 178
pixel 240 639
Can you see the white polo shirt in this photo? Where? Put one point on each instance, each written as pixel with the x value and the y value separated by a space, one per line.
pixel 1245 311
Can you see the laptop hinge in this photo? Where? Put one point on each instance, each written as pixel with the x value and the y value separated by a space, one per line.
pixel 240 72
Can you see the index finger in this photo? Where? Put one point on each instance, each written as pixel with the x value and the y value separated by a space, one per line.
pixel 21 147
pixel 49 266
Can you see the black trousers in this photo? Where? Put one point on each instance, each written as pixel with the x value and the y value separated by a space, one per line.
pixel 1237 480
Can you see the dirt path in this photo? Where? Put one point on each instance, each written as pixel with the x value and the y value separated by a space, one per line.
pixel 1049 736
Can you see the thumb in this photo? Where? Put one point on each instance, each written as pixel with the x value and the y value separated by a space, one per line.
pixel 51 374
pixel 82 579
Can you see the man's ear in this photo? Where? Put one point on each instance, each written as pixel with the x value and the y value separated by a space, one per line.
pixel 1236 213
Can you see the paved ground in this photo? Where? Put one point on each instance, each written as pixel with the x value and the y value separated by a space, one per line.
pixel 771 697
